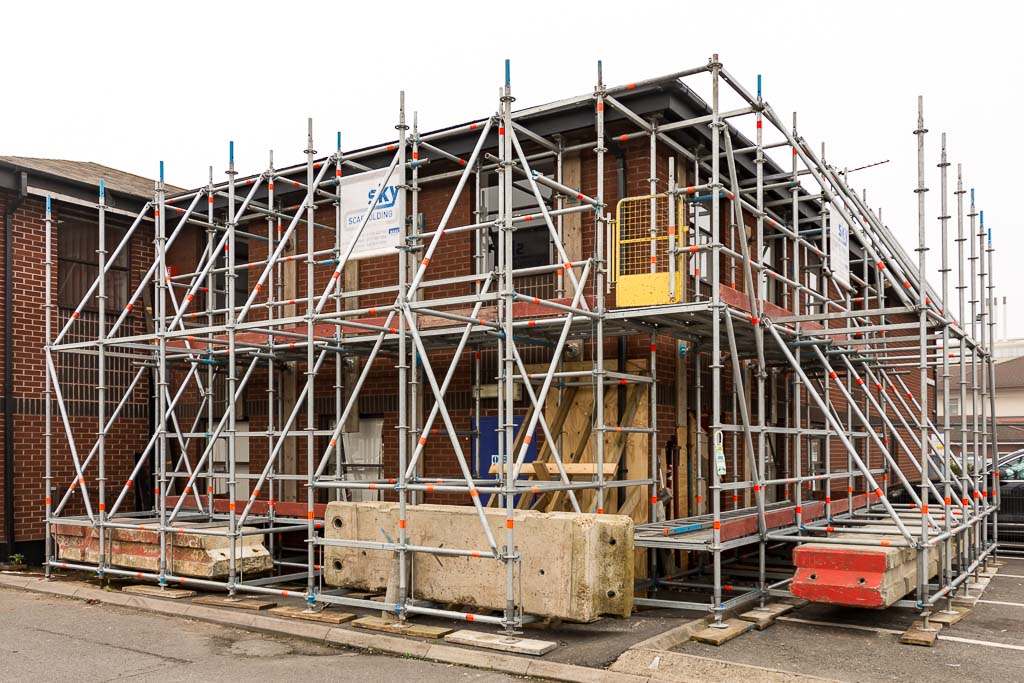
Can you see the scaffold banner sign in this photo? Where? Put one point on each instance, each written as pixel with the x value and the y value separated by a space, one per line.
pixel 381 233
pixel 839 251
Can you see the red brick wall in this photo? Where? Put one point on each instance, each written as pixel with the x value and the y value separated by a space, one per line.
pixel 126 437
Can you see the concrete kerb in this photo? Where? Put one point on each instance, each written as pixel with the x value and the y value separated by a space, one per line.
pixel 394 645
pixel 674 637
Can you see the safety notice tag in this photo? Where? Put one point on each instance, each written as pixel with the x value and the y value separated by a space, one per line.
pixel 720 459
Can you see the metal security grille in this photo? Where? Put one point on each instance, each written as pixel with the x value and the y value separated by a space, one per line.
pixel 79 373
pixel 642 234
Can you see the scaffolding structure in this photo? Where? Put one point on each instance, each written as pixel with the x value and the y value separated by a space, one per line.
pixel 830 365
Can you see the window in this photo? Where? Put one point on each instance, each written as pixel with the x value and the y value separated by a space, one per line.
pixel 78 264
pixel 241 275
pixel 531 246
pixel 700 228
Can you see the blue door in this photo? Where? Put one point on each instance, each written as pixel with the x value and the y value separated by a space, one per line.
pixel 488 453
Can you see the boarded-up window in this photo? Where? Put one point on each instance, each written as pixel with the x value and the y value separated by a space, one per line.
pixel 78 265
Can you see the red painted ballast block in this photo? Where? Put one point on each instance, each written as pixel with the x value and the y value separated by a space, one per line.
pixel 856 575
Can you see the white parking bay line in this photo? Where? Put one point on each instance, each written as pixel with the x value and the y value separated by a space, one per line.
pixel 879 629
pixel 1002 602
pixel 854 627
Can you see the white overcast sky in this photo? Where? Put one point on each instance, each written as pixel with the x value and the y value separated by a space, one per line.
pixel 128 84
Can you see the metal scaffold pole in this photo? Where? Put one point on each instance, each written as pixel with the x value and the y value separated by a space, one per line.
pixel 832 335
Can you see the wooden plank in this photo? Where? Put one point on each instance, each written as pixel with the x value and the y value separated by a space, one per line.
pixel 158 592
pixel 322 616
pixel 949 618
pixel 503 643
pixel 401 628
pixel 634 395
pixel 763 618
pixel 732 628
pixel 572 469
pixel 556 427
pixel 236 603
pixel 916 635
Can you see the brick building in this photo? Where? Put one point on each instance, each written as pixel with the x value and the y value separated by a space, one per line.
pixel 73 188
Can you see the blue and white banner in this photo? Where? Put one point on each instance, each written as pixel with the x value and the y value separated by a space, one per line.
pixel 380 237
pixel 839 251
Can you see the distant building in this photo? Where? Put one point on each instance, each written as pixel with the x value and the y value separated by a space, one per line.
pixel 1008 348
pixel 1009 395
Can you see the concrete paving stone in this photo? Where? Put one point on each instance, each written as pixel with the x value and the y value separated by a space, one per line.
pixel 716 636
pixel 538 668
pixel 108 597
pixel 157 605
pixel 377 641
pixel 503 643
pixel 675 667
pixel 483 660
pixel 220 616
pixel 916 635
pixel 15 580
pixel 301 629
pixel 64 588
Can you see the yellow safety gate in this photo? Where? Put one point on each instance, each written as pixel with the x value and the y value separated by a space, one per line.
pixel 640 251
